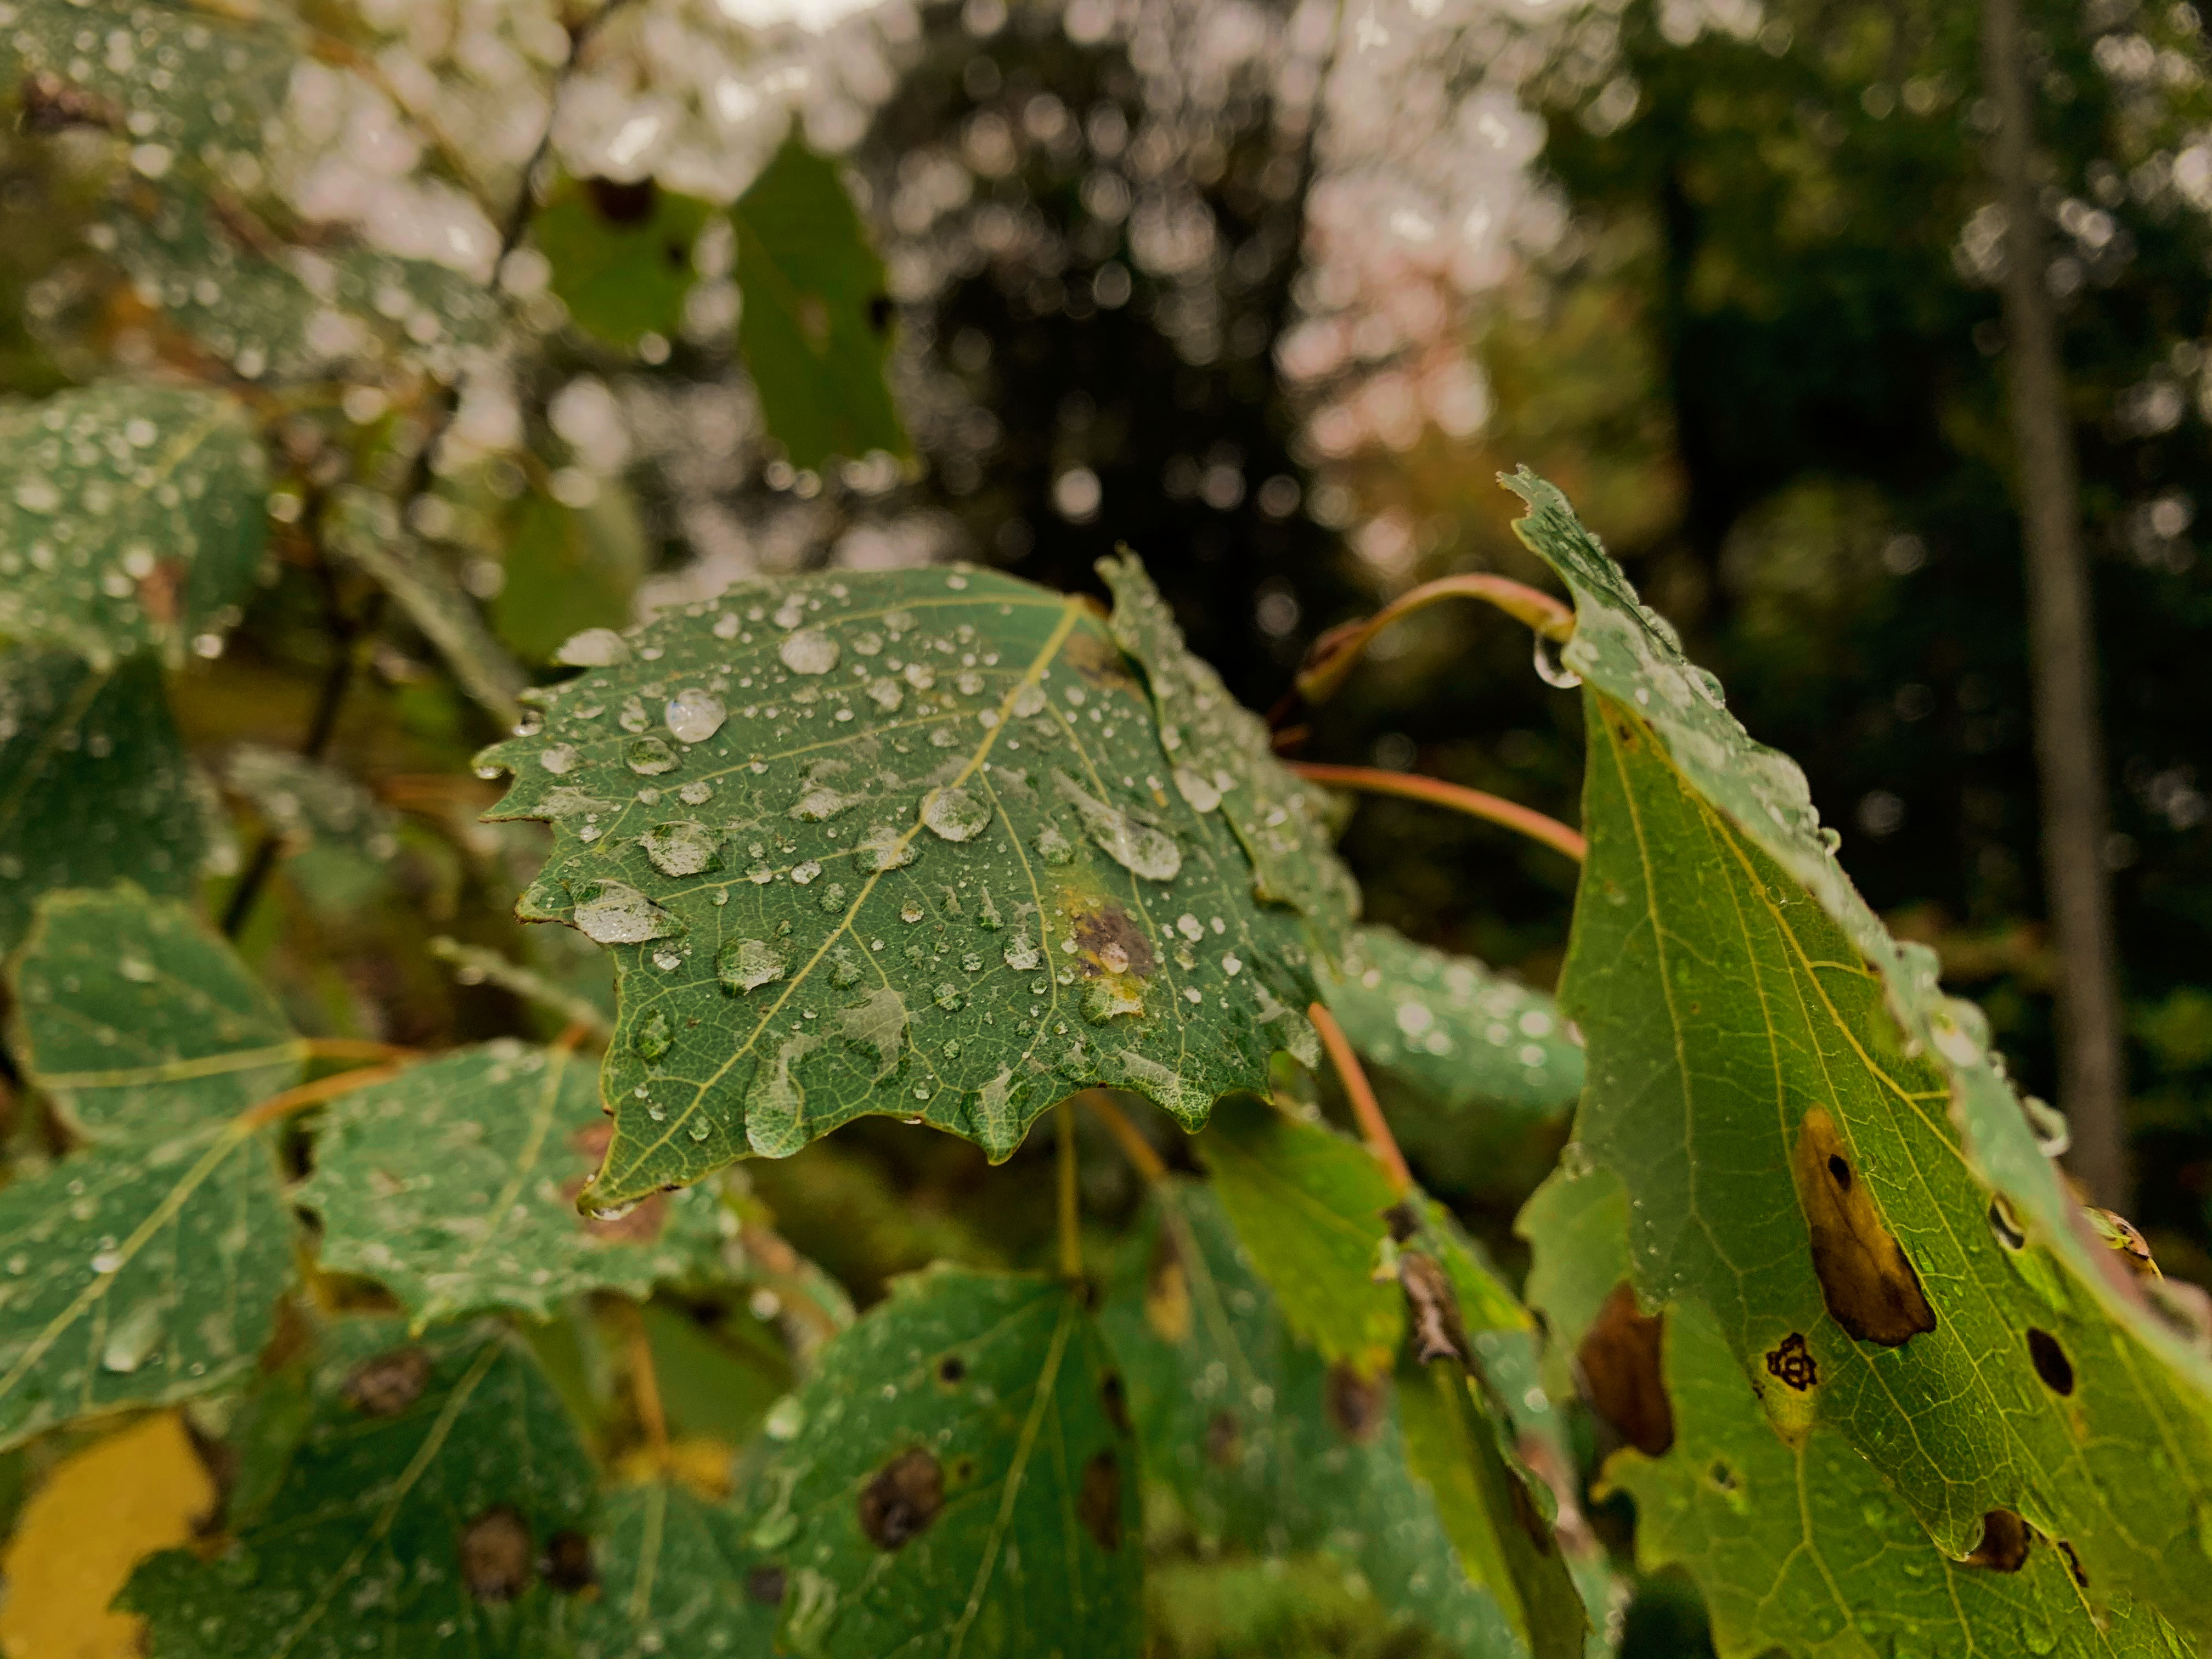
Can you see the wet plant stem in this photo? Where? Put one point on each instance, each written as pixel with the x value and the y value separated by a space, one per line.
pixel 1134 1147
pixel 1374 1127
pixel 1475 803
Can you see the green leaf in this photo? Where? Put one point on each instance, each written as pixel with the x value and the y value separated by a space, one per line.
pixel 1266 1446
pixel 185 83
pixel 952 1480
pixel 308 802
pixel 94 784
pixel 898 844
pixel 567 568
pixel 1773 1077
pixel 1577 1225
pixel 815 326
pixel 138 1025
pixel 1456 1034
pixel 131 518
pixel 434 1504
pixel 718 1380
pixel 672 1581
pixel 621 256
pixel 454 1185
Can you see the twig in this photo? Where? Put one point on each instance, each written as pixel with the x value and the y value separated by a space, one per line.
pixel 1364 1106
pixel 1134 1147
pixel 357 1049
pixel 1330 660
pixel 645 1386
pixel 1071 1221
pixel 1475 803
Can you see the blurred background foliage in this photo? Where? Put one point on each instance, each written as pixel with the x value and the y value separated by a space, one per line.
pixel 1271 293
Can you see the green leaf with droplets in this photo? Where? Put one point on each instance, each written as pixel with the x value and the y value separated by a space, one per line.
pixel 1266 1446
pixel 435 1503
pixel 673 1580
pixel 1814 1142
pixel 621 256
pixel 1461 1037
pixel 454 1184
pixel 306 802
pixel 137 1024
pixel 903 844
pixel 814 331
pixel 131 518
pixel 565 568
pixel 953 1480
pixel 94 784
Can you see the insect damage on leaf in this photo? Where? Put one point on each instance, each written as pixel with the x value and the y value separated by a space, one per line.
pixel 1868 1283
pixel 902 1501
pixel 1099 1504
pixel 1438 1333
pixel 495 1553
pixel 1618 1363
pixel 2004 1543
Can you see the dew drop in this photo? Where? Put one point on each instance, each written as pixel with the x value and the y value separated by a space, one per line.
pixel 595 647
pixel 883 848
pixel 1137 848
pixel 748 964
pixel 1197 790
pixel 1023 954
pixel 953 814
pixel 615 913
pixel 649 758
pixel 681 849
pixel 1550 669
pixel 804 872
pixel 810 651
pixel 1053 847
pixel 693 715
pixel 653 1036
pixel 558 758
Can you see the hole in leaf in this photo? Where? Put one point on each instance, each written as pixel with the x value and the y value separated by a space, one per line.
pixel 1721 1475
pixel 903 1499
pixel 387 1384
pixel 2073 1564
pixel 1356 1404
pixel 1116 1399
pixel 622 203
pixel 567 1563
pixel 1840 1170
pixel 1619 1362
pixel 765 1585
pixel 495 1554
pixel 2051 1362
pixel 2004 1543
pixel 1099 1504
pixel 952 1369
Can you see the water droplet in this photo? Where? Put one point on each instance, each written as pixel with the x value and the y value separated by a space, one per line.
pixel 947 996
pixel 133 1337
pixel 810 651
pixel 1028 701
pixel 614 1211
pixel 803 873
pixel 697 793
pixel 558 758
pixel 1023 954
pixel 595 647
pixel 1053 847
pixel 955 815
pixel 1202 794
pixel 1136 847
pixel 726 625
pixel 698 1130
pixel 649 758
pixel 910 912
pixel 821 803
pixel 108 1262
pixel 883 848
pixel 616 914
pixel 653 1036
pixel 693 715
pixel 1549 668
pixel 748 964
pixel 686 849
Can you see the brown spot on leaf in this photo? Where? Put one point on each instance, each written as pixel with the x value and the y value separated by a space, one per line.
pixel 1222 1436
pixel 1109 942
pixel 1116 1399
pixel 387 1383
pixel 1403 1221
pixel 1868 1283
pixel 2004 1543
pixel 1356 1404
pixel 1167 1290
pixel 621 204
pixel 567 1563
pixel 1438 1333
pixel 2073 1564
pixel 1098 1507
pixel 902 1500
pixel 2051 1362
pixel 495 1554
pixel 766 1585
pixel 640 1226
pixel 1098 660
pixel 1793 1363
pixel 1618 1361
pixel 2118 1234
pixel 952 1369
pixel 812 312
pixel 159 590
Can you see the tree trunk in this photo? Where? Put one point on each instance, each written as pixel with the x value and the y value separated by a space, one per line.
pixel 2062 649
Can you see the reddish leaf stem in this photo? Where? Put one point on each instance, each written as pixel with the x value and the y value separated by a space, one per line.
pixel 1364 1106
pixel 1475 803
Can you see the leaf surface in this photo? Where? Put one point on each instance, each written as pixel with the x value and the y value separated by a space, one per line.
pixel 1815 1143
pixel 673 1580
pixel 184 81
pixel 621 257
pixel 954 1482
pixel 131 518
pixel 816 327
pixel 454 1184
pixel 905 845
pixel 94 784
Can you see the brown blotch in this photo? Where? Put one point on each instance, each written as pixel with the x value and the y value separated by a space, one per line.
pixel 495 1554
pixel 620 204
pixel 1438 1333
pixel 1525 1512
pixel 160 591
pixel 388 1383
pixel 2073 1564
pixel 952 1369
pixel 567 1563
pixel 2051 1362
pixel 1167 1290
pixel 1356 1404
pixel 1097 661
pixel 1222 1436
pixel 1870 1286
pixel 1619 1362
pixel 766 1584
pixel 1402 1220
pixel 2119 1234
pixel 640 1225
pixel 52 104
pixel 1793 1363
pixel 902 1500
pixel 2003 1548
pixel 1098 1507
pixel 1116 1399
pixel 1110 937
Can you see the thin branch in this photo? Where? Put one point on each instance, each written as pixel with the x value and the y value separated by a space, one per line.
pixel 1134 1147
pixel 1475 803
pixel 1330 660
pixel 357 1049
pixel 1070 1219
pixel 645 1386
pixel 1372 1124
pixel 277 1107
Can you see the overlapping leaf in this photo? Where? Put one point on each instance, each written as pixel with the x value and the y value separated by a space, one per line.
pixel 455 1183
pixel 1266 1446
pixel 1819 1148
pixel 673 1579
pixel 307 801
pixel 816 327
pixel 431 1499
pixel 621 256
pixel 94 784
pixel 908 844
pixel 954 1479
pixel 131 518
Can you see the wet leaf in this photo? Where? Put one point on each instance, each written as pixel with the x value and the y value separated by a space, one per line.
pixel 673 1578
pixel 621 256
pixel 1731 981
pixel 816 327
pixel 308 802
pixel 894 901
pixel 951 1480
pixel 130 520
pixel 567 568
pixel 423 1531
pixel 189 84
pixel 94 784
pixel 454 1185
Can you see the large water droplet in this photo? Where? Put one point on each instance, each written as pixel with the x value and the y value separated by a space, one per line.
pixel 821 803
pixel 132 1338
pixel 613 913
pixel 558 758
pixel 595 647
pixel 693 715
pixel 1023 954
pixel 649 758
pixel 1053 847
pixel 954 814
pixel 1028 701
pixel 810 651
pixel 1137 848
pixel 653 1035
pixel 748 964
pixel 1550 669
pixel 883 848
pixel 681 849
pixel 1196 789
